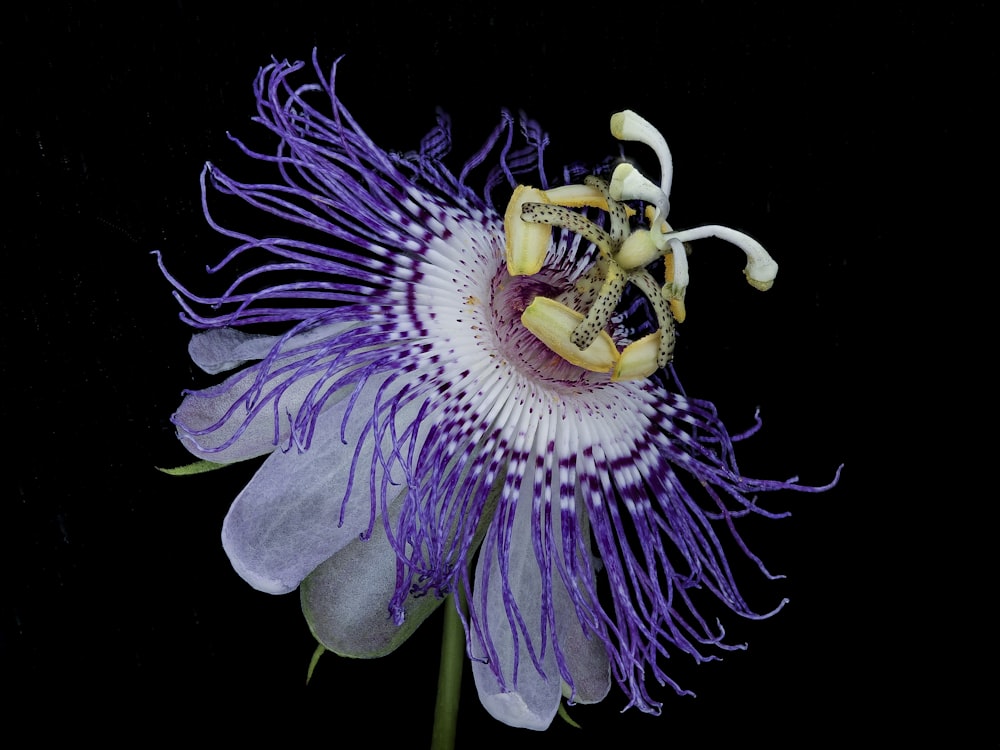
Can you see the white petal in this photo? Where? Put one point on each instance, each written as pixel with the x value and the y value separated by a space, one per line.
pixel 221 349
pixel 586 657
pixel 532 701
pixel 201 410
pixel 512 709
pixel 286 521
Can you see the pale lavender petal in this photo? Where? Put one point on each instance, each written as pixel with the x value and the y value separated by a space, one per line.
pixel 526 698
pixel 223 349
pixel 292 515
pixel 584 651
pixel 237 420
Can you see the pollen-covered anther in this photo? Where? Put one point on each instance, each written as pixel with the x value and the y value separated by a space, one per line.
pixel 527 242
pixel 640 359
pixel 577 196
pixel 553 324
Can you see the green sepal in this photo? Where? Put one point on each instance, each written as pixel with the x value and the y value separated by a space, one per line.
pixel 320 650
pixel 198 467
pixel 353 641
pixel 564 715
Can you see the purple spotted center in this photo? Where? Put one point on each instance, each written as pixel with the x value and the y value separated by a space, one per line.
pixel 520 347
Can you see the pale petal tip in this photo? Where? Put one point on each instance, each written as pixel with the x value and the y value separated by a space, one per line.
pixel 262 583
pixel 223 349
pixel 511 709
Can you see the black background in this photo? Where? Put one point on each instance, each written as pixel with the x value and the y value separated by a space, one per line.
pixel 807 127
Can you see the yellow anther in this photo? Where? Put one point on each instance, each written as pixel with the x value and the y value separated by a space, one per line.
pixel 639 360
pixel 553 323
pixel 581 196
pixel 577 196
pixel 527 241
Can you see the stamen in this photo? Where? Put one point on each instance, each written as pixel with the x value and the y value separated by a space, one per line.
pixel 558 216
pixel 639 360
pixel 527 242
pixel 664 319
pixel 553 323
pixel 578 196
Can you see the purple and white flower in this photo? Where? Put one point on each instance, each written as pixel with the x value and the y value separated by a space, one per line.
pixel 455 397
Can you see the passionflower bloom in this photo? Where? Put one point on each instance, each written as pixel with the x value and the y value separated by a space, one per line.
pixel 454 397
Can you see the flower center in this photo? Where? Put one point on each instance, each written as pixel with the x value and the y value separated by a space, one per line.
pixel 623 257
pixel 518 344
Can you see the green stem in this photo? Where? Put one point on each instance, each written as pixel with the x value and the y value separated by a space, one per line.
pixel 449 676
